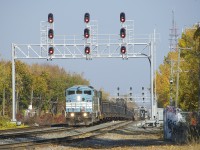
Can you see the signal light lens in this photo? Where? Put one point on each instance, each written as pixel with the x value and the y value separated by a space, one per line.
pixel 123 33
pixel 87 50
pixel 122 17
pixel 50 33
pixel 50 18
pixel 51 50
pixel 86 33
pixel 123 50
pixel 86 17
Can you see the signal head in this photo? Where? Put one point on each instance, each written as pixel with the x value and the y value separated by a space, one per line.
pixel 50 18
pixel 87 18
pixel 87 50
pixel 122 17
pixel 123 33
pixel 51 50
pixel 86 33
pixel 123 50
pixel 50 33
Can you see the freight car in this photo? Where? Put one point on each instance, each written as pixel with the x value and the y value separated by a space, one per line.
pixel 84 105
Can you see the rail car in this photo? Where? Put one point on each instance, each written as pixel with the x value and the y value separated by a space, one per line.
pixel 84 106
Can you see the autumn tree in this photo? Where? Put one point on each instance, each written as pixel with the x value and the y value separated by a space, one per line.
pixel 189 70
pixel 43 86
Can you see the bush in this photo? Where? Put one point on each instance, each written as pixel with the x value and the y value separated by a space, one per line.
pixel 3 121
pixel 6 124
pixel 58 119
pixel 20 117
pixel 44 119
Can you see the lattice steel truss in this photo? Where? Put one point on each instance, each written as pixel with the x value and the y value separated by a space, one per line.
pixel 101 45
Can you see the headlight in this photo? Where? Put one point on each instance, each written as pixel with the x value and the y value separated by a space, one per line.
pixel 72 114
pixel 78 98
pixel 84 114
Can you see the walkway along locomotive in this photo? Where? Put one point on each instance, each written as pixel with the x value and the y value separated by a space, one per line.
pixel 84 105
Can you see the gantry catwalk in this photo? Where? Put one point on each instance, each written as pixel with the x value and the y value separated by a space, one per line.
pixel 89 46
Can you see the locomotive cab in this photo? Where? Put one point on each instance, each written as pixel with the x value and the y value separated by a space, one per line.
pixel 82 105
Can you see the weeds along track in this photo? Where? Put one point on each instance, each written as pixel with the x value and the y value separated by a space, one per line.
pixel 31 128
pixel 68 134
pixel 20 129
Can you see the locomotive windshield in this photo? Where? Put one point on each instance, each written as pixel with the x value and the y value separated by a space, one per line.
pixel 71 92
pixel 78 92
pixel 88 92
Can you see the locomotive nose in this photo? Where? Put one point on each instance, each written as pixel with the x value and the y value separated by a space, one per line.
pixel 79 118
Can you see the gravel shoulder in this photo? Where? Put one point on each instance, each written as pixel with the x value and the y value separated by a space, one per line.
pixel 131 137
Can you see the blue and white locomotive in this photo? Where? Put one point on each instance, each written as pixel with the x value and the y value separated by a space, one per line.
pixel 82 105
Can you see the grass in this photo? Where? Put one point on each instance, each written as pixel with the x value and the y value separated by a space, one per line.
pixel 5 123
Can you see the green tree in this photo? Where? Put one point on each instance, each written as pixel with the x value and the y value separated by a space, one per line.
pixel 41 85
pixel 4 86
pixel 163 77
pixel 189 72
pixel 189 77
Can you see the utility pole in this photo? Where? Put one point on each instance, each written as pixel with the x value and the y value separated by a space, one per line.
pixel 173 46
pixel 177 79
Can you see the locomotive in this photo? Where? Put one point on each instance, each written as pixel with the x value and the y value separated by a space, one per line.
pixel 84 105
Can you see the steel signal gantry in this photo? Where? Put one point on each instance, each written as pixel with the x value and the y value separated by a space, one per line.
pixel 95 45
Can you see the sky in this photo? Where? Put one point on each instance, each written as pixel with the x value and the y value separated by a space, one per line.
pixel 20 23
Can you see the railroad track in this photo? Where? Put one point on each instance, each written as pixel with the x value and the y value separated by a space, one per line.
pixel 67 135
pixel 32 132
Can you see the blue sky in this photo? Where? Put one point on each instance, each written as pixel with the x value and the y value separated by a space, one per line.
pixel 20 23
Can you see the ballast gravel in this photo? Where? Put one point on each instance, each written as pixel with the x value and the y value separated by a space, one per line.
pixel 131 137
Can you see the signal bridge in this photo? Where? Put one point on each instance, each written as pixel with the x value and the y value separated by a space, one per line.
pixel 87 46
pixel 137 99
pixel 72 46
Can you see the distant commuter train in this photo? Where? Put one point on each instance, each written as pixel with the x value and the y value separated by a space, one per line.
pixel 84 105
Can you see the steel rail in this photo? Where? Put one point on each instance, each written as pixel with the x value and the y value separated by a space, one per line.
pixel 76 135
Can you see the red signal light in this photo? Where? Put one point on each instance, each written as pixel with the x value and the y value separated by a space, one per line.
pixel 123 50
pixel 86 33
pixel 122 17
pixel 50 33
pixel 123 33
pixel 87 18
pixel 87 50
pixel 50 18
pixel 51 50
